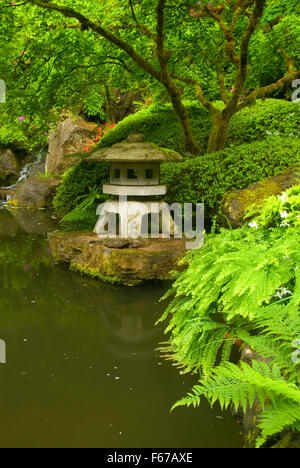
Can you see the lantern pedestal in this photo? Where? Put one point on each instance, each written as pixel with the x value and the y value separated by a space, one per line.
pixel 133 220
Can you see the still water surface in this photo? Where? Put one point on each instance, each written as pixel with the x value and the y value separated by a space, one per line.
pixel 82 368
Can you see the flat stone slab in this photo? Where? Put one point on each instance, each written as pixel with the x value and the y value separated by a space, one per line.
pixel 121 261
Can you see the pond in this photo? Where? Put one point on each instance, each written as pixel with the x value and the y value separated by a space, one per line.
pixel 82 367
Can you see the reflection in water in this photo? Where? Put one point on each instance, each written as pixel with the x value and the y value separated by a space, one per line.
pixel 82 370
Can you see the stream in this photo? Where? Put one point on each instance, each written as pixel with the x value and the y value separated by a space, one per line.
pixel 82 368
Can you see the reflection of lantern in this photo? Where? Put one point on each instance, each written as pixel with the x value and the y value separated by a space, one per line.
pixel 134 172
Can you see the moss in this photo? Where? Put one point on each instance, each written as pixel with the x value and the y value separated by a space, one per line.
pixel 235 203
pixel 94 273
pixel 13 203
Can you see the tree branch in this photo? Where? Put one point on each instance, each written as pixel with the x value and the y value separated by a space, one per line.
pixel 132 11
pixel 221 81
pixel 199 92
pixel 162 54
pixel 266 90
pixel 228 34
pixel 99 29
pixel 244 51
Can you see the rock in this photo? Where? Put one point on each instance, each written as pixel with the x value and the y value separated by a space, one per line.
pixel 36 193
pixel 136 138
pixel 6 194
pixel 71 137
pixel 235 203
pixel 87 254
pixel 116 243
pixel 36 169
pixel 9 172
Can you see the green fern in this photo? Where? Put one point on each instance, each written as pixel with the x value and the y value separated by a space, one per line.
pixel 243 286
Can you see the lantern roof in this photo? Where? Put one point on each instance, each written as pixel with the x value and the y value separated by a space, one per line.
pixel 134 149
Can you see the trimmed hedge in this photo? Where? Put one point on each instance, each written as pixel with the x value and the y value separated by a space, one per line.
pixel 205 178
pixel 160 125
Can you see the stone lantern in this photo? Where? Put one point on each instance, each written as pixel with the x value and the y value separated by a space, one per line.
pixel 134 178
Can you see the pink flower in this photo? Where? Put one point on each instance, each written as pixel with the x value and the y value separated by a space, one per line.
pixel 232 89
pixel 21 119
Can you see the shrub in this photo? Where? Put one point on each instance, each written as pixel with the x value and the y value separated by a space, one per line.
pixel 160 125
pixel 77 182
pixel 206 178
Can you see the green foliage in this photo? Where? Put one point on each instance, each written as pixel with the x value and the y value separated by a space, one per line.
pixel 95 102
pixel 50 64
pixel 272 117
pixel 78 182
pixel 81 220
pixel 159 125
pixel 241 385
pixel 281 210
pixel 242 285
pixel 84 215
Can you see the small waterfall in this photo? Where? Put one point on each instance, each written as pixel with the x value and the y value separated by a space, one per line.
pixel 38 156
pixel 25 171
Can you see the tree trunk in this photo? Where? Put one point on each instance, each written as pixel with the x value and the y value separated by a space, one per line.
pixel 189 143
pixel 110 104
pixel 219 132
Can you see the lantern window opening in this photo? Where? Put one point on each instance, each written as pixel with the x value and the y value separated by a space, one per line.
pixel 132 174
pixel 117 174
pixel 149 174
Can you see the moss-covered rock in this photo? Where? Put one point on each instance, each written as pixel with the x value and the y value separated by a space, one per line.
pixel 235 203
pixel 142 260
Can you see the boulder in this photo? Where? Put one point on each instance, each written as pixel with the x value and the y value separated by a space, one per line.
pixel 9 172
pixel 36 193
pixel 124 262
pixel 236 202
pixel 71 137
